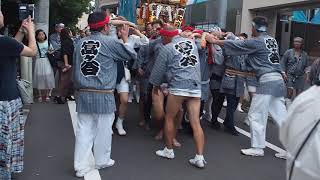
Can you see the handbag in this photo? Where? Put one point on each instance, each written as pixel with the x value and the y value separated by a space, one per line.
pixel 228 82
pixel 25 90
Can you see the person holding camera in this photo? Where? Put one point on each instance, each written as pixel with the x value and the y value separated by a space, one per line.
pixel 43 77
pixel 11 121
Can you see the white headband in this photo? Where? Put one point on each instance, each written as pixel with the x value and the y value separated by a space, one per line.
pixel 259 27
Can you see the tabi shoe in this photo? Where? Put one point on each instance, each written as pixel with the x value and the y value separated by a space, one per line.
pixel 198 161
pixel 109 164
pixel 81 174
pixel 256 152
pixel 166 153
pixel 231 131
pixel 246 122
pixel 119 127
pixel 215 125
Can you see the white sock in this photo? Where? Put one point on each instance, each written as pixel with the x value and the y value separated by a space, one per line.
pixel 120 120
pixel 170 150
pixel 199 157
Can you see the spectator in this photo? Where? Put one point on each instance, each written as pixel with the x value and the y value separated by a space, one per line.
pixel 43 77
pixel 11 122
pixel 315 72
pixel 65 82
pixel 82 34
pixel 55 37
pixel 294 63
pixel 88 32
pixel 56 44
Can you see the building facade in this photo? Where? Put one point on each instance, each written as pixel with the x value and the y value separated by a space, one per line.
pixel 287 19
pixel 108 4
pixel 222 13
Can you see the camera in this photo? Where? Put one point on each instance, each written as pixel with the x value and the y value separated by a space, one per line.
pixel 26 10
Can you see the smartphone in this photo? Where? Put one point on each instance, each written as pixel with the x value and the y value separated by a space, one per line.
pixel 31 11
pixel 26 10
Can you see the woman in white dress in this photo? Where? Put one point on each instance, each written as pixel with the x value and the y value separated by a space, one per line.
pixel 43 77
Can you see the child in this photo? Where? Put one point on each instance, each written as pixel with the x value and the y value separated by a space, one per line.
pixel 43 77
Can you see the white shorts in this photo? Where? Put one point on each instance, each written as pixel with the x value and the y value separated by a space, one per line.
pixel 123 87
pixel 185 92
pixel 252 89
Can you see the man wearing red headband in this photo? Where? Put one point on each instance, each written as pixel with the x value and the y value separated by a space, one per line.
pixel 95 73
pixel 178 64
pixel 188 29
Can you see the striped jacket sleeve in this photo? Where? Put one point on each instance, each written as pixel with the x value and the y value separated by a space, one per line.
pixel 160 68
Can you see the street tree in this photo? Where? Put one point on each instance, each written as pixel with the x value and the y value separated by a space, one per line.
pixel 68 11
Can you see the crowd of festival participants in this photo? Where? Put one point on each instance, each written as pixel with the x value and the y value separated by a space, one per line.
pixel 178 76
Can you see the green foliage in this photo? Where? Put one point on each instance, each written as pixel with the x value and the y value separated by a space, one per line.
pixel 67 11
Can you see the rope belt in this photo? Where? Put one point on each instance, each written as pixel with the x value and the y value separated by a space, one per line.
pixel 233 72
pixel 110 91
pixel 205 82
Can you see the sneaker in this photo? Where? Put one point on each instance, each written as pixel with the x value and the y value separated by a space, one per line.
pixel 109 164
pixel 281 155
pixel 198 161
pixel 225 103
pixel 239 108
pixel 48 99
pixel 207 116
pixel 119 127
pixel 166 153
pixel 137 97
pixel 130 99
pixel 81 174
pixel 253 152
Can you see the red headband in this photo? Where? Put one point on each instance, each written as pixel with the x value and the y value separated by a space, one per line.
pixel 100 24
pixel 198 31
pixel 164 32
pixel 187 28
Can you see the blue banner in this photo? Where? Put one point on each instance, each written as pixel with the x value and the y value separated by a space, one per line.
pixel 316 18
pixel 127 9
pixel 300 16
pixel 195 1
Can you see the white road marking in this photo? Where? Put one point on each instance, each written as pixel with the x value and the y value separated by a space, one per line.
pixel 245 133
pixel 94 174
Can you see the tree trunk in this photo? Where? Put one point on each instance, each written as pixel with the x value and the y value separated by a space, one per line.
pixel 42 15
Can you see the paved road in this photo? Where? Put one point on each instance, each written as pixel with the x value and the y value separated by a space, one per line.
pixel 50 143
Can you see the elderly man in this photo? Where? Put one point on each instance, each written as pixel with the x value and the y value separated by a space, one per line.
pixel 294 63
pixel 55 37
pixel 263 56
pixel 178 64
pixel 95 73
